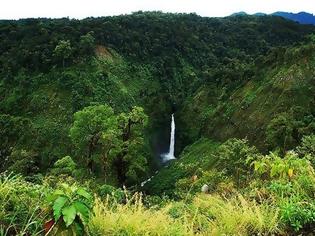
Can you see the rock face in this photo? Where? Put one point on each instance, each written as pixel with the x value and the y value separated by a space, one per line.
pixel 205 188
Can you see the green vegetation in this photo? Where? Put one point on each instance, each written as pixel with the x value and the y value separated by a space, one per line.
pixel 106 140
pixel 82 103
pixel 71 207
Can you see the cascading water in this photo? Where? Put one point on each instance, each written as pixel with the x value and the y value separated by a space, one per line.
pixel 170 155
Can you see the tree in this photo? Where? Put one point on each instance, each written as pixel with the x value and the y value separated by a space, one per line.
pixel 307 148
pixel 63 51
pixel 86 44
pixel 234 156
pixel 95 134
pixel 25 162
pixel 131 159
pixel 111 140
pixel 64 165
pixel 280 132
pixel 16 134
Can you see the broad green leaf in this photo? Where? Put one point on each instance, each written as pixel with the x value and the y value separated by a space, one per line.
pixel 82 192
pixel 69 214
pixel 58 205
pixel 83 211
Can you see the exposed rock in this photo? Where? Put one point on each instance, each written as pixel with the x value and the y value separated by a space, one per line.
pixel 205 188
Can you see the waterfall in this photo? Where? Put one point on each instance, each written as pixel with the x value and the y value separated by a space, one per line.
pixel 167 156
pixel 170 155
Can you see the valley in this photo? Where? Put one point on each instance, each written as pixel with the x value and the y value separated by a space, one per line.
pixel 113 125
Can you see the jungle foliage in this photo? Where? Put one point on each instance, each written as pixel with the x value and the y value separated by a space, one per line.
pixel 81 102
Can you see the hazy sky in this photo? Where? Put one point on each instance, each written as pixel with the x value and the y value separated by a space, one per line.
pixel 14 9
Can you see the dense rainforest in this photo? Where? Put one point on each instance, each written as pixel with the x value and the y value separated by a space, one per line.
pixel 85 109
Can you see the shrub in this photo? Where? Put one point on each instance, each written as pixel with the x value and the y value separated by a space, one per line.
pixel 23 162
pixel 298 214
pixel 117 194
pixel 71 208
pixel 279 132
pixel 281 188
pixel 307 148
pixel 233 158
pixel 288 175
pixel 291 182
pixel 288 168
pixel 64 165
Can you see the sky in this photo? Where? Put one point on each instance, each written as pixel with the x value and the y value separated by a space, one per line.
pixel 15 9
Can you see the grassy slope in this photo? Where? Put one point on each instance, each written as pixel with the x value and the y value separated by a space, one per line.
pixel 196 156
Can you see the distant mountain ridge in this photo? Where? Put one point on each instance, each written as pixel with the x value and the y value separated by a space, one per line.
pixel 301 17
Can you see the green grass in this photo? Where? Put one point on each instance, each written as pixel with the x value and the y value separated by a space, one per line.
pixel 206 215
pixel 134 219
pixel 20 206
pixel 238 216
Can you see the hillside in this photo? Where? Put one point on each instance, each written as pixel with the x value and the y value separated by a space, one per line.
pixel 274 109
pixel 85 109
pixel 283 83
pixel 173 69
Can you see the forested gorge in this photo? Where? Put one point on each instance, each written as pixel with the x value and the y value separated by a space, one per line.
pixel 83 102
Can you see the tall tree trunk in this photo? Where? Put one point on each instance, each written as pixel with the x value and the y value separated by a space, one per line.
pixel 93 141
pixel 127 131
pixel 121 170
pixel 89 157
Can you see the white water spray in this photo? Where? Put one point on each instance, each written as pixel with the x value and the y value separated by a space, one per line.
pixel 170 155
